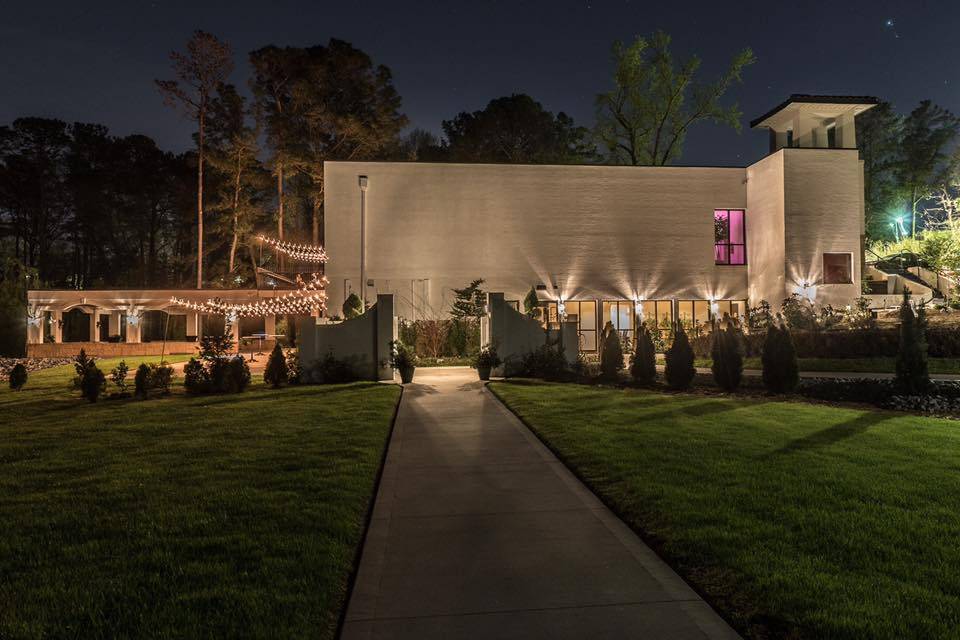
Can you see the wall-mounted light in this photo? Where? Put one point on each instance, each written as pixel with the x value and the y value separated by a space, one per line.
pixel 714 306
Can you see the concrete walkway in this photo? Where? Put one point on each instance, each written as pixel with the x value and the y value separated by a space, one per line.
pixel 478 531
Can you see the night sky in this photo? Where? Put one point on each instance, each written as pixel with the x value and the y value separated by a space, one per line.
pixel 97 63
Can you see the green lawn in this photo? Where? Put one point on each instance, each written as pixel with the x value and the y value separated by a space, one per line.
pixel 855 365
pixel 216 516
pixel 795 520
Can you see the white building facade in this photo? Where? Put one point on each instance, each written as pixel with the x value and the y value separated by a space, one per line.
pixel 612 243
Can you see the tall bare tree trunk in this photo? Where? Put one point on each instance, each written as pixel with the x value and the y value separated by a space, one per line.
pixel 280 259
pixel 202 118
pixel 236 209
pixel 316 221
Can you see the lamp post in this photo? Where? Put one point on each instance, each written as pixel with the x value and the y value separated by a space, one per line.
pixel 363 241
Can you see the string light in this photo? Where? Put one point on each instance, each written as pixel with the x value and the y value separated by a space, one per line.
pixel 302 252
pixel 309 297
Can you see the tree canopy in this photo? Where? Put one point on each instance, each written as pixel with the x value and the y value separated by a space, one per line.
pixel 515 129
pixel 655 100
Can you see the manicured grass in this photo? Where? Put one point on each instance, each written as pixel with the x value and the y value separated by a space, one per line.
pixel 216 516
pixel 792 518
pixel 855 365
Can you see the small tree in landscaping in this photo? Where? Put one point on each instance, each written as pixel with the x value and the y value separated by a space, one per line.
pixel 119 376
pixel 611 356
pixel 781 373
pixel 90 380
pixel 18 376
pixel 276 372
pixel 644 365
pixel 727 354
pixel 679 371
pixel 531 303
pixel 352 307
pixel 913 377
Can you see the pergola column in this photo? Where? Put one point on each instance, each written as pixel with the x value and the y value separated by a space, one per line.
pixel 56 328
pixel 35 330
pixel 94 321
pixel 270 325
pixel 133 328
pixel 193 324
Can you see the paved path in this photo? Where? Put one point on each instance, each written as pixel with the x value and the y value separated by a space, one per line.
pixel 478 531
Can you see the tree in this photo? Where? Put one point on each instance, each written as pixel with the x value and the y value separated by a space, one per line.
pixel 352 307
pixel 727 354
pixel 781 372
pixel 611 356
pixel 200 70
pixel 679 370
pixel 928 133
pixel 273 73
pixel 469 302
pixel 644 365
pixel 645 118
pixel 515 129
pixel 912 376
pixel 343 107
pixel 531 303
pixel 419 145
pixel 233 154
pixel 276 372
pixel 878 138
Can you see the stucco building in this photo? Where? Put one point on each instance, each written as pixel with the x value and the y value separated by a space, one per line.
pixel 612 243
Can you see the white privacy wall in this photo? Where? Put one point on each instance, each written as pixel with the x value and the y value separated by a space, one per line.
pixel 597 232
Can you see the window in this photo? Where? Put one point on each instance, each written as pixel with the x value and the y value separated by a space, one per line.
pixel 584 313
pixel 837 268
pixel 620 314
pixel 729 243
pixel 658 316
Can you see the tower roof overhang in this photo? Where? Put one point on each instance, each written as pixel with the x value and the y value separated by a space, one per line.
pixel 820 106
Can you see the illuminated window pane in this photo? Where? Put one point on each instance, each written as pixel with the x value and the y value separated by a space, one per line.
pixel 730 237
pixel 588 315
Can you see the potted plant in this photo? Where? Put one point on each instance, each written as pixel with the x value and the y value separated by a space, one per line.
pixel 404 360
pixel 485 360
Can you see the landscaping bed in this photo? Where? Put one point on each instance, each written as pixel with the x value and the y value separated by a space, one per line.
pixel 184 516
pixel 793 519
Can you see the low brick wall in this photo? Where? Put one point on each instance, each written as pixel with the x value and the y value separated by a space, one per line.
pixel 107 349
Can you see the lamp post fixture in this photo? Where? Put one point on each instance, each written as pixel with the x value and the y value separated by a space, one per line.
pixel 363 241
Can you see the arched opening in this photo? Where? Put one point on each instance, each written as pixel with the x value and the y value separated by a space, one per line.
pixel 76 326
pixel 155 322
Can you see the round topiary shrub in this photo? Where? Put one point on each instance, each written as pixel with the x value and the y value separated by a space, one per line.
pixel 352 306
pixel 18 376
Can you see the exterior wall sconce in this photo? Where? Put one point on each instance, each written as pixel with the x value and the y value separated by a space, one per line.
pixel 561 309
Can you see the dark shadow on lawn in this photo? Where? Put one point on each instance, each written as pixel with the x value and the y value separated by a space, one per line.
pixel 832 434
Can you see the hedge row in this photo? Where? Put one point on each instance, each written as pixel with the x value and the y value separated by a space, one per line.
pixel 854 343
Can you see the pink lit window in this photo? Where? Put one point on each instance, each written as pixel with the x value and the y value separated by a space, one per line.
pixel 729 237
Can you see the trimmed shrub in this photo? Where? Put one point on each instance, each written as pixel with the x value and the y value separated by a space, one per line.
pixel 195 378
pixel 352 307
pixel 611 356
pixel 531 303
pixel 727 355
pixel 679 371
pixel 93 383
pixel 18 376
pixel 160 377
pixel 913 377
pixel 330 370
pixel 276 373
pixel 546 362
pixel 781 373
pixel 141 381
pixel 238 378
pixel 643 368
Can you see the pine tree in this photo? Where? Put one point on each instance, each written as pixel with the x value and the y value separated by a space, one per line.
pixel 781 372
pixel 531 303
pixel 644 365
pixel 727 354
pixel 276 372
pixel 611 357
pixel 913 377
pixel 468 302
pixel 679 371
